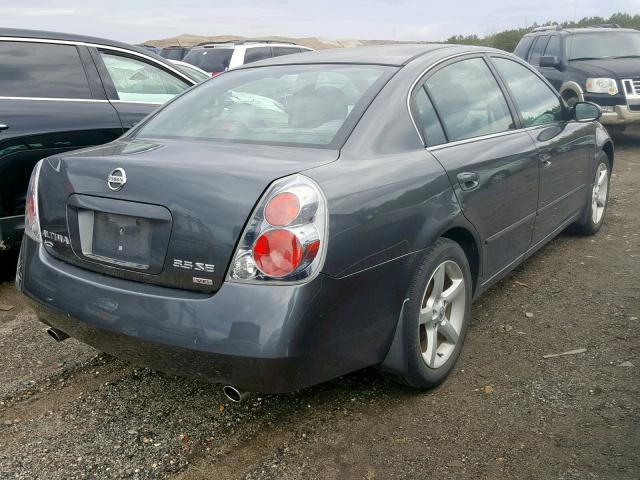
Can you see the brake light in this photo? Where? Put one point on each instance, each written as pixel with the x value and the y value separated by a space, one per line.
pixel 282 209
pixel 277 253
pixel 32 220
pixel 285 239
pixel 215 74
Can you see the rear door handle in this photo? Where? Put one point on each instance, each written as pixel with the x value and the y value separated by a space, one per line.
pixel 468 180
pixel 3 127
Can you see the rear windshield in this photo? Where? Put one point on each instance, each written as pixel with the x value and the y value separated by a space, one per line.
pixel 212 60
pixel 314 105
pixel 598 45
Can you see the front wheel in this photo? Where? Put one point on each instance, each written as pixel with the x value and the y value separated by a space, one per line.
pixel 437 315
pixel 597 201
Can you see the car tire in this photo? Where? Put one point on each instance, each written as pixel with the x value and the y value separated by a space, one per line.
pixel 598 199
pixel 430 316
pixel 570 99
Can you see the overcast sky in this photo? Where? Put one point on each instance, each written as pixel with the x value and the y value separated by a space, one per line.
pixel 138 20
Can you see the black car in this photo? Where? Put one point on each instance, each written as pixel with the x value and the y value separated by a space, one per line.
pixel 599 64
pixel 174 52
pixel 60 92
pixel 306 216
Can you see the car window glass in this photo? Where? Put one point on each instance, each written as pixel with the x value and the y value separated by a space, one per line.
pixel 290 105
pixel 253 54
pixel 538 48
pixel 41 70
pixel 523 47
pixel 553 47
pixel 430 123
pixel 212 60
pixel 538 105
pixel 279 51
pixel 138 81
pixel 469 100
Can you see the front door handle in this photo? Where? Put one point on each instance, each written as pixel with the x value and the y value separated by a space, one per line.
pixel 468 180
pixel 3 127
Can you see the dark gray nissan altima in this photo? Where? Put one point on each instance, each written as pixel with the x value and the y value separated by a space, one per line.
pixel 304 217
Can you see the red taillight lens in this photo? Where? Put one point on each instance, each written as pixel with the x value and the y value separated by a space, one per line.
pixel 282 209
pixel 215 74
pixel 277 253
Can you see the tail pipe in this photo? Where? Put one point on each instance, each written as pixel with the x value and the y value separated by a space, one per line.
pixel 57 335
pixel 233 394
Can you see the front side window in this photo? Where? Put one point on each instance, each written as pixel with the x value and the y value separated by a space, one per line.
pixel 285 105
pixel 538 105
pixel 138 81
pixel 598 45
pixel 469 100
pixel 538 48
pixel 553 47
pixel 42 70
pixel 253 54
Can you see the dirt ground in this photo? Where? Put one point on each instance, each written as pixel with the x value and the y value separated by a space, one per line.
pixel 67 412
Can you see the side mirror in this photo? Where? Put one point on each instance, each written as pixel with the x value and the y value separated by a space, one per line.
pixel 586 112
pixel 550 61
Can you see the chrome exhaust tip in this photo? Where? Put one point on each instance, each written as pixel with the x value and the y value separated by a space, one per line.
pixel 57 335
pixel 233 394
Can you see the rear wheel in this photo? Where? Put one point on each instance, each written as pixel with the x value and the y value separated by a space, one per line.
pixel 437 315
pixel 598 199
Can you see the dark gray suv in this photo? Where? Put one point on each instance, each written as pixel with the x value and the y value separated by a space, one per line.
pixel 300 218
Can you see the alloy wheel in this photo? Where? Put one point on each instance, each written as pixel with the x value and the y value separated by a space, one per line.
pixel 442 313
pixel 599 195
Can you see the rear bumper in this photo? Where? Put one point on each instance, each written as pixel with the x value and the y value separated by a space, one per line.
pixel 11 230
pixel 256 337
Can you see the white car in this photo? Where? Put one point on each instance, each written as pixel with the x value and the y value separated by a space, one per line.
pixel 216 58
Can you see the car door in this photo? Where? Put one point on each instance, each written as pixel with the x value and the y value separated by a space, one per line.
pixel 491 163
pixel 564 146
pixel 537 50
pixel 51 101
pixel 136 86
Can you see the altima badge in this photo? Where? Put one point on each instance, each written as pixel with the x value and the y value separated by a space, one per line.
pixel 116 179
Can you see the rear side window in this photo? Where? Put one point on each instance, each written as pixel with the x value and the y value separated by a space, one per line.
pixel 538 48
pixel 553 47
pixel 279 51
pixel 538 105
pixel 253 54
pixel 469 100
pixel 41 70
pixel 523 47
pixel 138 81
pixel 433 131
pixel 211 60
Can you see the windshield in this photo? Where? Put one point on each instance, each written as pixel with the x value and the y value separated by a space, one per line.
pixel 598 45
pixel 312 105
pixel 212 60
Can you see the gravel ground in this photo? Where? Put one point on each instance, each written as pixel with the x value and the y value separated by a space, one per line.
pixel 68 412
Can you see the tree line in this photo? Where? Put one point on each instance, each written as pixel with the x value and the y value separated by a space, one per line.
pixel 508 39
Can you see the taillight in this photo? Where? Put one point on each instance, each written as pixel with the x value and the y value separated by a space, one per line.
pixel 285 239
pixel 32 220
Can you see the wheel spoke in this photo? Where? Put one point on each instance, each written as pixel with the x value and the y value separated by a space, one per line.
pixel 451 293
pixel 432 345
pixel 438 282
pixel 426 315
pixel 449 332
pixel 602 177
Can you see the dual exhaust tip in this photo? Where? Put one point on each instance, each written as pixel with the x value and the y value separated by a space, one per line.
pixel 231 392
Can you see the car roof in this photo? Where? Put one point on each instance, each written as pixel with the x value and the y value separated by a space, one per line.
pixel 394 55
pixel 69 37
pixel 565 31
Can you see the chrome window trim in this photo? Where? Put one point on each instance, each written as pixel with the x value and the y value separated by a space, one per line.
pixel 54 99
pixel 97 45
pixel 421 76
pixel 140 102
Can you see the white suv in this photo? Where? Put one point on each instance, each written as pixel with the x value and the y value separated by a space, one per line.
pixel 216 58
